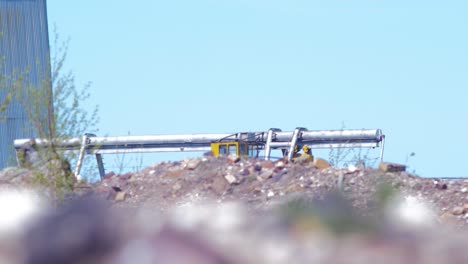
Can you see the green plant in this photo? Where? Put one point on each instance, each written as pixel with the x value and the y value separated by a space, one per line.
pixel 4 89
pixel 5 103
pixel 55 109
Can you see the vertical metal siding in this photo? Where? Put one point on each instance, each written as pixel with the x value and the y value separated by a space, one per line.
pixel 24 45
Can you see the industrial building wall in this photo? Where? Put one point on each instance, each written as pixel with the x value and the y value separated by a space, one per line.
pixel 24 48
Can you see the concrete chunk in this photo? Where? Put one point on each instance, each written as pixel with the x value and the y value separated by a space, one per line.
pixel 120 196
pixel 231 179
pixel 391 167
pixel 266 174
pixel 192 164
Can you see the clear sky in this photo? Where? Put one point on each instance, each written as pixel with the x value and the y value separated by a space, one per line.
pixel 214 66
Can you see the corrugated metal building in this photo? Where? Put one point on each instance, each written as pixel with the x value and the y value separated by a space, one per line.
pixel 24 46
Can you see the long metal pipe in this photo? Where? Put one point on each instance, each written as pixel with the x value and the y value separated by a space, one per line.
pixel 275 138
pixel 158 139
pixel 284 145
pixel 72 143
pixel 368 135
pixel 327 135
pixel 146 150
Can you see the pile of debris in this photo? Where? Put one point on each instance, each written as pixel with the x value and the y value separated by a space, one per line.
pixel 260 183
pixel 233 210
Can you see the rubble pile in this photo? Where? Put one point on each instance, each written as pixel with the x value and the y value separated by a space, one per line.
pixel 260 183
pixel 235 210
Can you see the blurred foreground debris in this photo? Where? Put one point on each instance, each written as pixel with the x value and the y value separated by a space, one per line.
pixel 299 229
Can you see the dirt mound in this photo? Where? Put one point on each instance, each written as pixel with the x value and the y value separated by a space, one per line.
pixel 260 183
pixel 231 210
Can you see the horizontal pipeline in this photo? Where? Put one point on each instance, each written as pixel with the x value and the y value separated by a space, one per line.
pixel 320 138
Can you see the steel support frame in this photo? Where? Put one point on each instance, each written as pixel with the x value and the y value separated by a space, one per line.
pixel 275 138
pixel 269 139
pixel 295 137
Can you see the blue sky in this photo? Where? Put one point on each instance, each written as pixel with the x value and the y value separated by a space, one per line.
pixel 213 66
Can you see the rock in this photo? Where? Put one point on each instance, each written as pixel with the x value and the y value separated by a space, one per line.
pixel 440 185
pixel 465 208
pixel 280 164
pixel 173 173
pixel 278 175
pixel 457 210
pixel 397 184
pixel 295 188
pixel 244 172
pixel 125 176
pixel 391 167
pixel 176 187
pixel 116 188
pixel 257 167
pixel 416 186
pixel 265 174
pixel 352 168
pixel 321 163
pixel 257 191
pixel 270 194
pixel 192 164
pixel 268 164
pixel 120 196
pixel 219 185
pixel 231 179
pixel 233 159
pixel 109 175
pixel 448 218
pixel 464 190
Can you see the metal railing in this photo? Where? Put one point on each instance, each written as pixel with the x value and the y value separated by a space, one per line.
pixel 90 144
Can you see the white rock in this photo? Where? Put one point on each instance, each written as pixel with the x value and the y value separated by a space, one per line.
pixel 192 164
pixel 231 179
pixel 352 168
pixel 270 194
pixel 280 164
